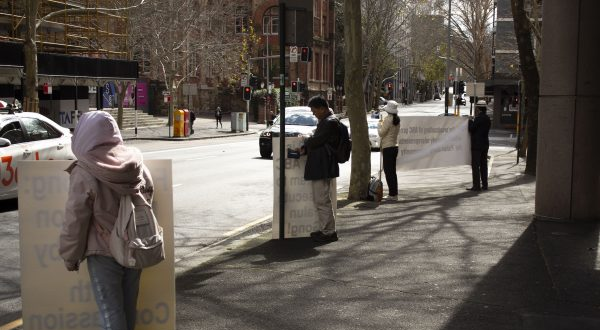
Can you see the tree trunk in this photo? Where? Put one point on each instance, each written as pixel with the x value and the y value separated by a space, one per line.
pixel 31 99
pixel 529 71
pixel 122 91
pixel 361 152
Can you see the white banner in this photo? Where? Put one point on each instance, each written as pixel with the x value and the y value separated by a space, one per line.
pixel 54 298
pixel 300 212
pixel 429 142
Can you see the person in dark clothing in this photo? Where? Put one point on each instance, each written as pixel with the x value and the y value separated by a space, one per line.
pixel 479 128
pixel 218 116
pixel 322 167
pixel 192 119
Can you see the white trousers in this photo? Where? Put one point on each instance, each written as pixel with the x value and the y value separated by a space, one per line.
pixel 322 199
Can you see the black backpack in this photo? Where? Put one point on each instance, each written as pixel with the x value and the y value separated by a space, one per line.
pixel 344 147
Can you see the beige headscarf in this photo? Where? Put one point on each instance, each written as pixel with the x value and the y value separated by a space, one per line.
pixel 99 148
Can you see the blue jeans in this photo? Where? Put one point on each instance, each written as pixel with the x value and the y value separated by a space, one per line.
pixel 116 290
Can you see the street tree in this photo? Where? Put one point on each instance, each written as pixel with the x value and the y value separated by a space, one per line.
pixel 471 36
pixel 181 38
pixel 32 7
pixel 526 24
pixel 382 23
pixel 353 54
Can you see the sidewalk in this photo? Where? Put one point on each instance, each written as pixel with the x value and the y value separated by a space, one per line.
pixel 204 128
pixel 439 258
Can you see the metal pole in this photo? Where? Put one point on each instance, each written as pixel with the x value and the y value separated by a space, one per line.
pixel 282 121
pixel 448 59
pixel 135 107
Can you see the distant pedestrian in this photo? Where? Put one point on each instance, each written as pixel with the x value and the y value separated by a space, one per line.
pixel 322 166
pixel 218 116
pixel 192 119
pixel 388 130
pixel 479 128
pixel 105 169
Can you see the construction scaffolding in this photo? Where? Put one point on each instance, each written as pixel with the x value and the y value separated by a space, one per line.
pixel 75 27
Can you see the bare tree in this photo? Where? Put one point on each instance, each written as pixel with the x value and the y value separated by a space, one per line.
pixel 184 37
pixel 382 22
pixel 471 44
pixel 31 100
pixel 529 70
pixel 361 153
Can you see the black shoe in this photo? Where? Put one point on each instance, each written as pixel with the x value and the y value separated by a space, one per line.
pixel 474 189
pixel 484 188
pixel 322 238
pixel 316 233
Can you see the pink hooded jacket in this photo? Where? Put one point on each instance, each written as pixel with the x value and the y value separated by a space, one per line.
pixel 105 169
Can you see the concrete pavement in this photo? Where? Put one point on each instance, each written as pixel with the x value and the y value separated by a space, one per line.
pixel 439 258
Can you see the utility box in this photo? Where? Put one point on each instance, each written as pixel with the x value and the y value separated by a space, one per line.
pixel 238 121
pixel 178 123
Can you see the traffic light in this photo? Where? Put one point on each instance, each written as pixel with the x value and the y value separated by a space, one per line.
pixel 294 86
pixel 253 81
pixel 247 93
pixel 302 87
pixel 461 87
pixel 305 54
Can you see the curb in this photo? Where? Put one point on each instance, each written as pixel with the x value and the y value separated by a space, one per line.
pixel 165 138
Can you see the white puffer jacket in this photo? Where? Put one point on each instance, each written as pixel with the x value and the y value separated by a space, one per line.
pixel 388 132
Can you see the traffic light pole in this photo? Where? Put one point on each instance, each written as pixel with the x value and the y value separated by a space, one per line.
pixel 446 97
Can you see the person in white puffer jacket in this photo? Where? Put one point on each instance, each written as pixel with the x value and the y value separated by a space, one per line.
pixel 388 129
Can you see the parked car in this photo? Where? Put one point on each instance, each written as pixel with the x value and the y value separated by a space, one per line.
pixel 298 120
pixel 28 136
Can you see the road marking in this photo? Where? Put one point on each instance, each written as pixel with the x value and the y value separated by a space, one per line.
pixel 201 158
pixel 12 325
pixel 177 185
pixel 192 148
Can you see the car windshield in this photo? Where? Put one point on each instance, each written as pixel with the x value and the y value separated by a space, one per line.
pixel 301 119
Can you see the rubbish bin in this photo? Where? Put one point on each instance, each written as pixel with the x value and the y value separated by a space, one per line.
pixel 238 121
pixel 178 123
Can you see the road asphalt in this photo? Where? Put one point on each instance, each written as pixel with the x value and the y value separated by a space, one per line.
pixel 440 257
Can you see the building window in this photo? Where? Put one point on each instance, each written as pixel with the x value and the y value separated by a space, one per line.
pixel 241 20
pixel 271 21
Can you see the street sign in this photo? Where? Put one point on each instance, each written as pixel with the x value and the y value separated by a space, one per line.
pixel 293 54
pixel 475 89
pixel 244 80
pixel 47 88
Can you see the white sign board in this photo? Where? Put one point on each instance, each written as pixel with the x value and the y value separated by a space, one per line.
pixel 190 89
pixel 293 54
pixel 300 213
pixel 430 142
pixel 475 89
pixel 52 297
pixel 244 80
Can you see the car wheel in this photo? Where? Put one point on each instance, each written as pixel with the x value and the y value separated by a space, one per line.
pixel 265 153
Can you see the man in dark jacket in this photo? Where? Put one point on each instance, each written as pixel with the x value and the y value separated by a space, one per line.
pixel 479 128
pixel 322 167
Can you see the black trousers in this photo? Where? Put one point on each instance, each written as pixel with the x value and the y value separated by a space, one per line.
pixel 389 168
pixel 479 168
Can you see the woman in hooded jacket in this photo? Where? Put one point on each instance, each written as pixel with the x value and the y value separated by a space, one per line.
pixel 388 129
pixel 105 169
